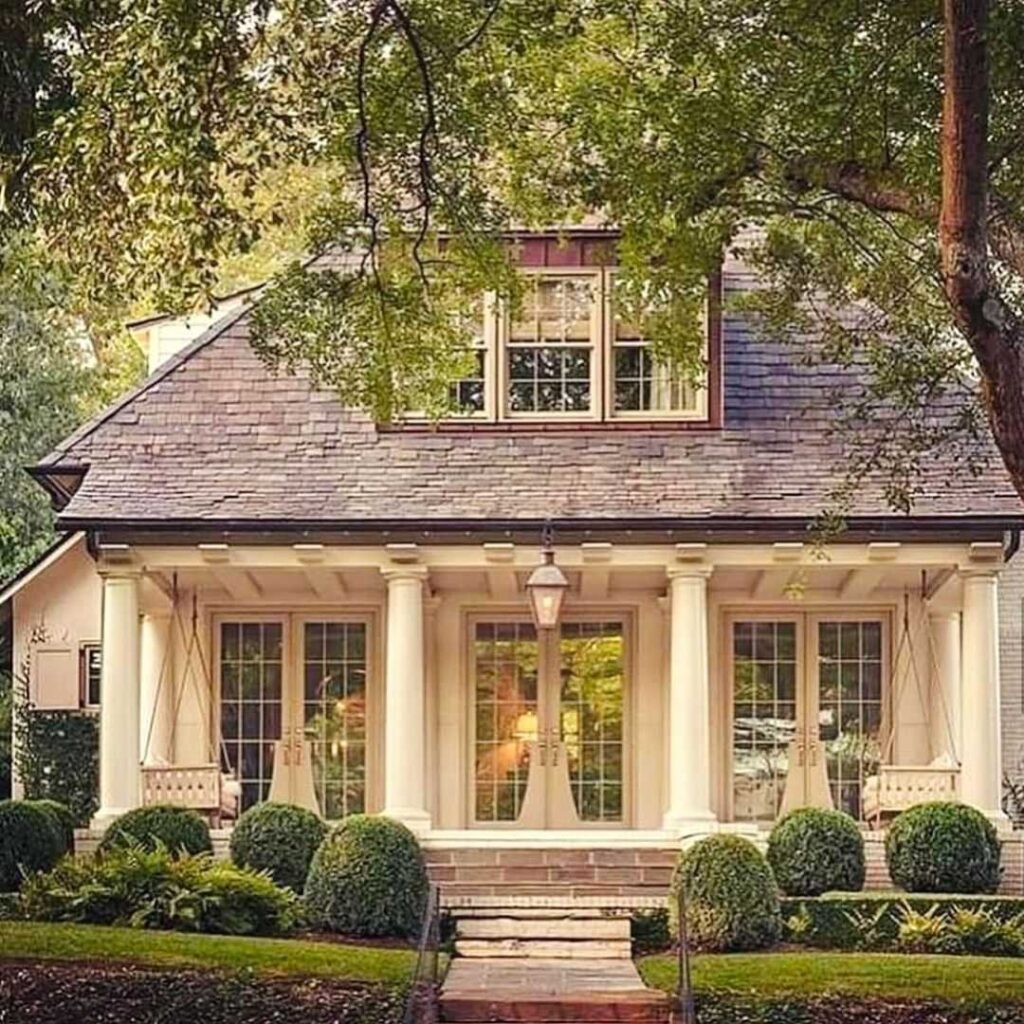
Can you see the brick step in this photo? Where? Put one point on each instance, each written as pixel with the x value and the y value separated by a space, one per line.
pixel 490 856
pixel 549 927
pixel 496 908
pixel 634 1008
pixel 451 891
pixel 544 949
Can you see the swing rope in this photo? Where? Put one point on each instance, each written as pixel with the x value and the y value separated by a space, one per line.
pixel 906 644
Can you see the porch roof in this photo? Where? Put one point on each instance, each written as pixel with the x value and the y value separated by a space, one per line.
pixel 214 438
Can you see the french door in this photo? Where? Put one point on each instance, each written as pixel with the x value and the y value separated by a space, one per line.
pixel 808 710
pixel 548 724
pixel 293 696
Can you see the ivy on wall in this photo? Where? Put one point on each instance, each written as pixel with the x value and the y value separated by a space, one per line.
pixel 56 752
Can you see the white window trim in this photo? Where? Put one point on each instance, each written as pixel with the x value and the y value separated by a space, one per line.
pixel 83 667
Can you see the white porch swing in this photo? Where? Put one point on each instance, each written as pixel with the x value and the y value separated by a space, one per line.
pixel 212 787
pixel 896 786
pixel 205 787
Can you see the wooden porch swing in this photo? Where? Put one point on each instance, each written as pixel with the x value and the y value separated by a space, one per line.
pixel 207 787
pixel 896 786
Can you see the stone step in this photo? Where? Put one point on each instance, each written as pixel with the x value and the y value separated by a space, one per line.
pixel 465 891
pixel 542 928
pixel 544 949
pixel 631 1008
pixel 493 908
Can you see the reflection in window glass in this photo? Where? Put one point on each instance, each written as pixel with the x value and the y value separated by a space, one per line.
pixel 764 716
pixel 850 707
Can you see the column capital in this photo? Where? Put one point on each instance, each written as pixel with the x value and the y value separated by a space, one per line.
pixel 974 572
pixel 397 573
pixel 118 571
pixel 683 572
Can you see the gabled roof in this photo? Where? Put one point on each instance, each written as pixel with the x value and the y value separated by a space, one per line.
pixel 214 438
pixel 54 553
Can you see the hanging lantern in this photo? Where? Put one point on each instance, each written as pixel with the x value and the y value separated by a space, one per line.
pixel 547 586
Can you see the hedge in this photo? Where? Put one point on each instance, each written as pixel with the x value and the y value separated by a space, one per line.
pixel 813 850
pixel 279 838
pixel 729 1008
pixel 870 921
pixel 29 841
pixel 179 829
pixel 46 993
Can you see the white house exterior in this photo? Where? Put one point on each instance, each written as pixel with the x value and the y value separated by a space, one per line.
pixel 282 587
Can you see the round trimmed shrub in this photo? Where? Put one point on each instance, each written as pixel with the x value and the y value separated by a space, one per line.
pixel 29 842
pixel 279 838
pixel 812 851
pixel 367 878
pixel 732 902
pixel 178 828
pixel 943 847
pixel 63 821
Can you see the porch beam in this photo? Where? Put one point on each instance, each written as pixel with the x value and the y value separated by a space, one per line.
pixel 620 556
pixel 861 583
pixel 595 582
pixel 502 583
pixel 238 583
pixel 325 583
pixel 771 584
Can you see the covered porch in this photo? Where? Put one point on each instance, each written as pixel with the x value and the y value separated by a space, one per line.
pixel 689 686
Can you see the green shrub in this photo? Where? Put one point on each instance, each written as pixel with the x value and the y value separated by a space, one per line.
pixel 871 921
pixel 177 828
pixel 279 838
pixel 140 888
pixel 62 819
pixel 731 899
pixel 812 851
pixel 943 847
pixel 29 841
pixel 961 931
pixel 648 931
pixel 367 878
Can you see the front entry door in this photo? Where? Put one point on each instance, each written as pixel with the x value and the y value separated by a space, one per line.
pixel 548 724
pixel 807 711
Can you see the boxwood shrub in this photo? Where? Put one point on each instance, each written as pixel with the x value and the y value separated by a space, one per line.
pixel 29 841
pixel 367 878
pixel 732 902
pixel 179 829
pixel 279 838
pixel 812 851
pixel 63 821
pixel 943 847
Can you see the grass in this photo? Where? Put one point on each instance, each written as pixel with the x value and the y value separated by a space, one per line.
pixel 949 979
pixel 23 940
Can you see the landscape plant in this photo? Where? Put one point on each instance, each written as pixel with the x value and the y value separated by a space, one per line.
pixel 30 841
pixel 177 829
pixel 278 838
pixel 812 850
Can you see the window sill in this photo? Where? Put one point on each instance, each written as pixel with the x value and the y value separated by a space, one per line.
pixel 548 426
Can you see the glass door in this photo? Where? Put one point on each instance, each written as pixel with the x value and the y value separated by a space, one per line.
pixel 548 729
pixel 807 711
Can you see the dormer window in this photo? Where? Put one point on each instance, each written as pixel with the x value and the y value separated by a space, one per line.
pixel 565 355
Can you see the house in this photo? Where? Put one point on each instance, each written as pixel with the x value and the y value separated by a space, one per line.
pixel 337 612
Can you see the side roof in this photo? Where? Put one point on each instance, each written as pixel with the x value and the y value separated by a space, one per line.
pixel 214 438
pixel 53 554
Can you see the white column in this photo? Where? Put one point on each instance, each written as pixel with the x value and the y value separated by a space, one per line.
pixel 981 760
pixel 156 690
pixel 689 760
pixel 119 696
pixel 405 789
pixel 946 692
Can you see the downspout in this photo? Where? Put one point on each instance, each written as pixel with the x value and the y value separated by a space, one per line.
pixel 1011 543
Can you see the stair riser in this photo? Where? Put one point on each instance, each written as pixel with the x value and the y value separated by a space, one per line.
pixel 472 1011
pixel 545 928
pixel 542 949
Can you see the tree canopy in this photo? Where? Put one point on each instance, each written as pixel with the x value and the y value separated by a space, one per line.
pixel 432 126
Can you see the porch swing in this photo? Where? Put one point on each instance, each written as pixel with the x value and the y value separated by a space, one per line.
pixel 896 787
pixel 212 788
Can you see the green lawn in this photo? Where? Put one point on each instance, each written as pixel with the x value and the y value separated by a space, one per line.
pixel 30 940
pixel 883 975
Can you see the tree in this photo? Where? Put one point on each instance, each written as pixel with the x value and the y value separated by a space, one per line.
pixel 680 121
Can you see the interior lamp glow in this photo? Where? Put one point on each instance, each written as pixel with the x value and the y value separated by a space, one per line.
pixel 547 586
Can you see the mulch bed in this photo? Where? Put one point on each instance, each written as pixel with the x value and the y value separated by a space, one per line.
pixel 41 992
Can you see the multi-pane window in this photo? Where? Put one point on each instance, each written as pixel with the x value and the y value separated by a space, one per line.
pixel 764 719
pixel 505 671
pixel 251 659
pixel 640 383
pixel 90 667
pixel 550 346
pixel 565 353
pixel 850 706
pixel 334 713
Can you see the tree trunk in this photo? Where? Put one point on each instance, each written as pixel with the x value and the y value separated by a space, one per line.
pixel 994 333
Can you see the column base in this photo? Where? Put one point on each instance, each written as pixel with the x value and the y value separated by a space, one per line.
pixel 415 820
pixel 106 816
pixel 687 824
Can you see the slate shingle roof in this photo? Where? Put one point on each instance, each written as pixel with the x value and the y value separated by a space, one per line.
pixel 214 436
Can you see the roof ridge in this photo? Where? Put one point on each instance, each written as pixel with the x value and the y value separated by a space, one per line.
pixel 164 370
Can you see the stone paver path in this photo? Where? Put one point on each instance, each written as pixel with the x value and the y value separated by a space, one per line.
pixel 511 978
